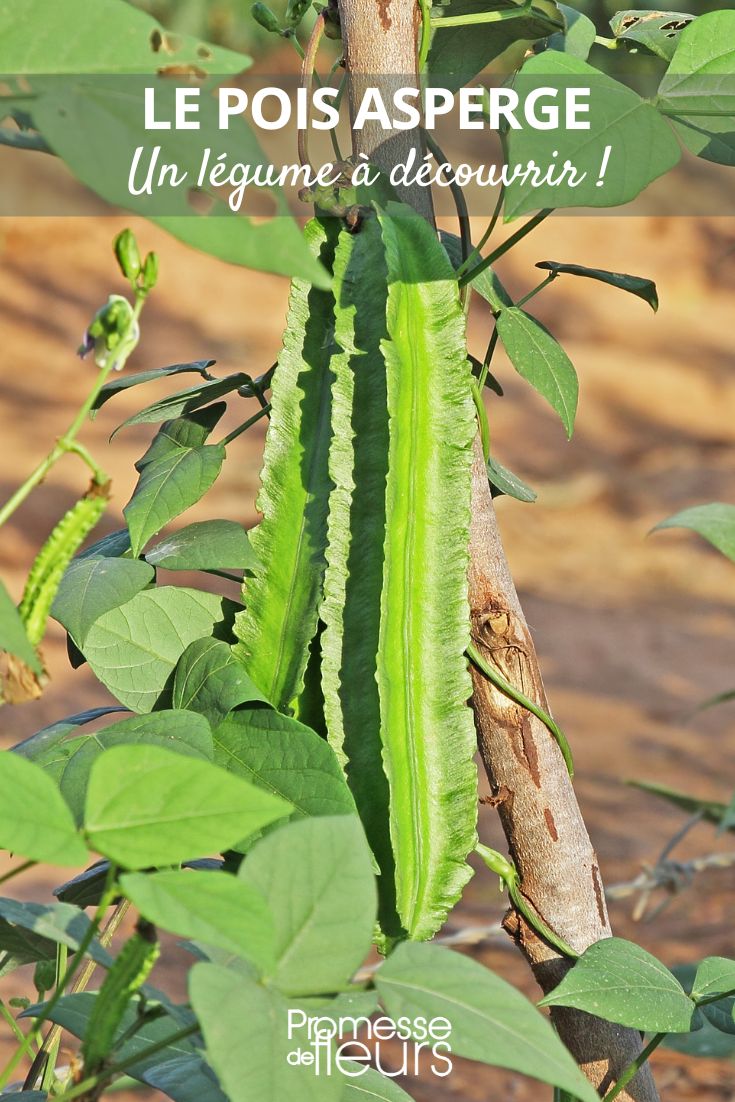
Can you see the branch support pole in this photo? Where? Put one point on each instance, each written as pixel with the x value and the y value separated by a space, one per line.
pixel 538 809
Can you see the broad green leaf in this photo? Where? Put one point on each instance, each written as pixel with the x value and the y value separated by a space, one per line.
pixel 490 1020
pixel 209 679
pixel 85 889
pixel 93 586
pixel 643 146
pixel 115 545
pixel 19 946
pixel 714 522
pixel 59 923
pixel 701 75
pixel 70 761
pixel 715 1037
pixel 110 37
pixel 184 432
pixel 658 32
pixel 636 285
pixel 353 582
pixel 35 822
pixel 619 981
pixel 504 481
pixel 148 806
pixel 538 357
pixel 577 38
pixel 205 545
pixel 49 736
pixel 716 976
pixel 281 600
pixel 125 382
pixel 133 650
pixel 458 54
pixel 283 756
pixel 184 1079
pixel 370 1086
pixel 426 727
pixel 246 1035
pixel 169 485
pixel 711 810
pixel 213 907
pixel 185 401
pixel 13 638
pixel 316 876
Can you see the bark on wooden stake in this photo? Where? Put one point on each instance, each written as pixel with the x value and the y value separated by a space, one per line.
pixel 538 809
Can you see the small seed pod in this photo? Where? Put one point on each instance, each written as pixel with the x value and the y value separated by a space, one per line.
pixel 149 276
pixel 267 19
pixel 52 560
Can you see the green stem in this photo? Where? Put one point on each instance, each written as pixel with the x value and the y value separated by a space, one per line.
pixel 8 1016
pixel 482 17
pixel 264 412
pixel 634 1067
pixel 532 294
pixel 425 7
pixel 506 245
pixel 715 998
pixel 486 235
pixel 107 897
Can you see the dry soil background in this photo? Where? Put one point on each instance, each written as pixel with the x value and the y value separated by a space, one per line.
pixel 632 630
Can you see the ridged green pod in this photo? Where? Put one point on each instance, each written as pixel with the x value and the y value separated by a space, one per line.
pixel 358 466
pixel 281 600
pixel 427 728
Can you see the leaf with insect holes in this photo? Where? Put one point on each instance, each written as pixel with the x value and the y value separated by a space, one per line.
pixel 635 285
pixel 133 650
pixel 205 545
pixel 539 358
pixel 148 806
pixel 93 586
pixel 620 982
pixel 35 822
pixel 714 522
pixel 211 907
pixel 657 32
pixel 490 1020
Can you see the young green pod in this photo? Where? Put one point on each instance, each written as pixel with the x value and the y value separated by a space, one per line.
pixel 128 255
pixel 267 18
pixel 149 275
pixel 52 560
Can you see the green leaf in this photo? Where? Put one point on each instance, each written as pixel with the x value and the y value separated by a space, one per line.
pixel 504 481
pixel 169 485
pixel 281 600
pixel 702 70
pixel 48 737
pixel 205 545
pixel 619 981
pixel 426 727
pixel 133 650
pixel 711 810
pixel 13 638
pixel 35 822
pixel 716 976
pixel 70 761
pixel 353 582
pixel 283 756
pixel 715 1037
pixel 658 32
pixel 185 432
pixel 183 1079
pixel 714 522
pixel 213 907
pixel 643 146
pixel 316 876
pixel 209 679
pixel 636 285
pixel 115 545
pixel 125 382
pixel 93 586
pixel 246 1034
pixel 370 1086
pixel 458 54
pixel 148 806
pixel 110 38
pixel 185 401
pixel 59 923
pixel 490 1020
pixel 19 946
pixel 538 357
pixel 578 36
